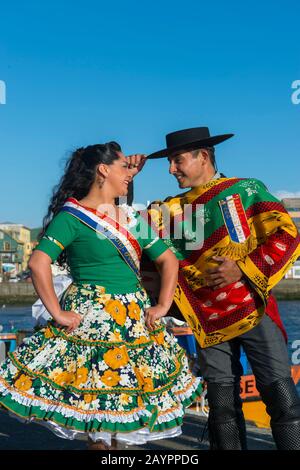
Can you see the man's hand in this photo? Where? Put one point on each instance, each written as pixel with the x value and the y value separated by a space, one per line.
pixel 226 273
pixel 136 163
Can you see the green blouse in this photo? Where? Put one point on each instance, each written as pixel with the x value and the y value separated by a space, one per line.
pixel 94 260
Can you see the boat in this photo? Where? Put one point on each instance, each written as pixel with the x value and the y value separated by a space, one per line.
pixel 253 407
pixel 9 341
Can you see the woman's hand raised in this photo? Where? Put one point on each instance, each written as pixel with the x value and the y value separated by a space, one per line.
pixel 136 163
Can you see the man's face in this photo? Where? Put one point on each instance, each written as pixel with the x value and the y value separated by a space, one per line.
pixel 186 168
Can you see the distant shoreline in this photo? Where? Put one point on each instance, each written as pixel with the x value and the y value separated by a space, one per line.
pixel 11 302
pixel 23 293
pixel 19 293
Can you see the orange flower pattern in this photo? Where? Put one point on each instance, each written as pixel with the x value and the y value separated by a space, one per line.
pixel 110 378
pixel 65 378
pixel 48 333
pixel 109 364
pixel 159 338
pixel 117 310
pixel 24 383
pixel 116 358
pixel 81 376
pixel 134 311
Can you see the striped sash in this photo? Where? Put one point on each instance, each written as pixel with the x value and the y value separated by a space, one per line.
pixel 126 244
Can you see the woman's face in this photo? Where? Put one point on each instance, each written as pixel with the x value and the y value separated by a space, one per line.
pixel 119 176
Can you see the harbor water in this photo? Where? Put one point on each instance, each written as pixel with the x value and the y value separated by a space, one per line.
pixel 20 318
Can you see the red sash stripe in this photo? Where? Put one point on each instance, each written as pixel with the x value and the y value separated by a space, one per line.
pixel 115 224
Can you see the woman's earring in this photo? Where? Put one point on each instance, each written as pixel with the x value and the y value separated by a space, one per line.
pixel 100 181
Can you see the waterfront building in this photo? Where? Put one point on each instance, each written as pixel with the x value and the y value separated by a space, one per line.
pixel 292 205
pixel 22 235
pixel 294 272
pixel 11 255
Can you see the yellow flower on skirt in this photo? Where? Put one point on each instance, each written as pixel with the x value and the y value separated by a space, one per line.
pixel 48 333
pixel 115 337
pixel 145 370
pixel 116 358
pixel 125 399
pixel 81 376
pixel 110 378
pixel 102 299
pixel 139 376
pixel 71 366
pixel 88 398
pixel 140 402
pixel 145 383
pixel 65 378
pixel 100 290
pixel 142 340
pixel 134 311
pixel 148 385
pixel 24 383
pixel 117 310
pixel 159 338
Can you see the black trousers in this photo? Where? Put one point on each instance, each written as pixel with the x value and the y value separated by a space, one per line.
pixel 266 351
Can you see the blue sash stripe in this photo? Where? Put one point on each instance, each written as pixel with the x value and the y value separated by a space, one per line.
pixel 229 223
pixel 97 227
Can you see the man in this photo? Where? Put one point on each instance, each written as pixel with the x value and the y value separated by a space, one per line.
pixel 224 290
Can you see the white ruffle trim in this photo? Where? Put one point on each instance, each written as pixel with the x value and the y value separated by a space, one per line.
pixel 103 416
pixel 134 438
pixel 188 393
pixel 73 413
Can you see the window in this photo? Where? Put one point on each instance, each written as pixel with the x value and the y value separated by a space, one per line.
pixel 7 246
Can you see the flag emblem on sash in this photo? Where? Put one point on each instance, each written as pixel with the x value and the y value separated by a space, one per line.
pixel 235 218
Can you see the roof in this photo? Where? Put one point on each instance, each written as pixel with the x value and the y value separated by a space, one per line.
pixel 14 225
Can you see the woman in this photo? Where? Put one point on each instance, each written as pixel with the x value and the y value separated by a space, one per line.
pixel 104 367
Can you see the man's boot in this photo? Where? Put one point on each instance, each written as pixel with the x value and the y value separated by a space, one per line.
pixel 226 423
pixel 283 406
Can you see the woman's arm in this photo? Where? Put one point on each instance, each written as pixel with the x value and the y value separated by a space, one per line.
pixel 40 267
pixel 167 265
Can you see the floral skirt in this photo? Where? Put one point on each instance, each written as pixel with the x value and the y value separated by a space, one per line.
pixel 110 376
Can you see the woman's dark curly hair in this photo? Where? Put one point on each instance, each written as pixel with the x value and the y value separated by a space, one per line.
pixel 78 177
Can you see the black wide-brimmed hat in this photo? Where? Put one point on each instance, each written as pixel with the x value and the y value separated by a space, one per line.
pixel 189 139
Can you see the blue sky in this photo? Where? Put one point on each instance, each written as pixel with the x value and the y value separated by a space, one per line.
pixel 79 72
